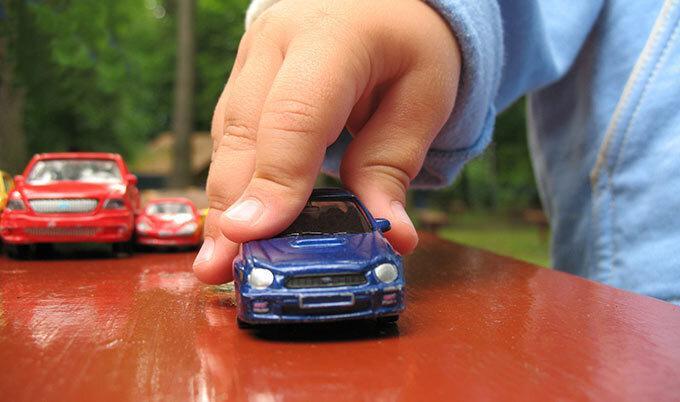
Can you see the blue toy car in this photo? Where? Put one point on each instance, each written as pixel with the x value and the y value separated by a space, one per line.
pixel 333 263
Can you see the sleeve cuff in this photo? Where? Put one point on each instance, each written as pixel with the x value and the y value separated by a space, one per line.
pixel 256 8
pixel 478 29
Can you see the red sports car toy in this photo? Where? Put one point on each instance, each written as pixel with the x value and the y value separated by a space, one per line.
pixel 169 222
pixel 68 198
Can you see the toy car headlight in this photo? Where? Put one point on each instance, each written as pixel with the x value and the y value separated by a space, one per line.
pixel 114 203
pixel 143 227
pixel 386 273
pixel 15 203
pixel 188 229
pixel 260 278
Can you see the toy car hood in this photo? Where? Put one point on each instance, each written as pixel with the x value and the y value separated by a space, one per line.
pixel 347 251
pixel 170 220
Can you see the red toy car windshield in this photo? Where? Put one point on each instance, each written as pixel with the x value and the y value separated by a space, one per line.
pixel 328 217
pixel 168 208
pixel 83 170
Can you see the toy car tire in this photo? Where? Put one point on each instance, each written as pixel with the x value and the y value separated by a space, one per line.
pixel 44 249
pixel 242 324
pixel 122 248
pixel 18 251
pixel 388 319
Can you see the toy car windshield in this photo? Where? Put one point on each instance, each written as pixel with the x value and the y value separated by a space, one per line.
pixel 84 170
pixel 168 208
pixel 328 217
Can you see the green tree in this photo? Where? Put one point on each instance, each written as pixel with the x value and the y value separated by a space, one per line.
pixel 93 73
pixel 182 119
pixel 12 94
pixel 502 177
pixel 96 75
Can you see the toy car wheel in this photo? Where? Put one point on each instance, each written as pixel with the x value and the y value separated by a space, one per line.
pixel 242 324
pixel 18 251
pixel 388 319
pixel 44 249
pixel 123 248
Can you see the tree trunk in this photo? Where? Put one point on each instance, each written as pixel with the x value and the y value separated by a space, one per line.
pixel 184 94
pixel 12 140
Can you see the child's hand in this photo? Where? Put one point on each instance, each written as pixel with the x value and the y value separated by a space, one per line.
pixel 386 69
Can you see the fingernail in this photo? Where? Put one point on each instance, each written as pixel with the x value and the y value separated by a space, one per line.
pixel 247 210
pixel 400 213
pixel 205 254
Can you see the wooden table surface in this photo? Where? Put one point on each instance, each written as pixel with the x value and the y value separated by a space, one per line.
pixel 477 327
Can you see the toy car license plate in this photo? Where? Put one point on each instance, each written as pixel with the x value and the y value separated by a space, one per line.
pixel 165 233
pixel 317 301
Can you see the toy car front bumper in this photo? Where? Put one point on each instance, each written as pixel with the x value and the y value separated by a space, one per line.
pixel 110 227
pixel 150 240
pixel 317 305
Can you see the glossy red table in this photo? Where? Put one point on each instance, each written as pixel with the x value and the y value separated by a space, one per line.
pixel 478 327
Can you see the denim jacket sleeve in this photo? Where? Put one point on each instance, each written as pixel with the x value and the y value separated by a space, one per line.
pixel 508 48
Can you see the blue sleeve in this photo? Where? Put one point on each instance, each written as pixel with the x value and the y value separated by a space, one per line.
pixel 509 48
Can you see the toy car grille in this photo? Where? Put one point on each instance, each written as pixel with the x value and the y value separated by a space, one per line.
pixel 63 205
pixel 61 231
pixel 325 281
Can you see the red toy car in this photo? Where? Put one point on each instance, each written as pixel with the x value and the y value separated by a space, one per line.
pixel 169 222
pixel 68 198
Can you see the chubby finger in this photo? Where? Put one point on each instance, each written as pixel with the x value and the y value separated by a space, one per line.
pixel 214 260
pixel 234 135
pixel 305 111
pixel 388 152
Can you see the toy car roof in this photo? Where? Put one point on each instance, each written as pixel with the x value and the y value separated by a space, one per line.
pixel 179 200
pixel 77 155
pixel 330 192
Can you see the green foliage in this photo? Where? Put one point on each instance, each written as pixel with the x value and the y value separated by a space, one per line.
pixel 93 73
pixel 500 234
pixel 220 26
pixel 99 74
pixel 516 184
pixel 502 177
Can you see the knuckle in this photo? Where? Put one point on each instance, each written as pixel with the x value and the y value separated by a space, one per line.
pixel 218 202
pixel 291 116
pixel 238 135
pixel 269 23
pixel 395 177
pixel 218 199
pixel 240 129
pixel 221 193
pixel 280 181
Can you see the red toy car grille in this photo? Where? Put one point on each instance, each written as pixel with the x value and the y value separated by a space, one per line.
pixel 61 231
pixel 63 205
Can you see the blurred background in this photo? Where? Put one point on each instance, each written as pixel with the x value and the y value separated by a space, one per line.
pixel 141 78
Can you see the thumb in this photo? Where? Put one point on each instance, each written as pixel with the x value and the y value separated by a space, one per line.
pixel 380 180
pixel 388 152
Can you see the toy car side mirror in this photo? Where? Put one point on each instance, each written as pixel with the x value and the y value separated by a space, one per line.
pixel 131 179
pixel 19 179
pixel 383 224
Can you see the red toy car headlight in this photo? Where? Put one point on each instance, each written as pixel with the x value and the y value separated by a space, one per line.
pixel 143 227
pixel 188 229
pixel 114 203
pixel 15 203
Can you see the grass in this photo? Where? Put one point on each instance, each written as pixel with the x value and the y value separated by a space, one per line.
pixel 499 234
